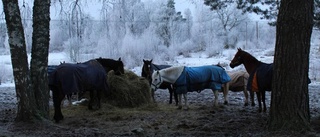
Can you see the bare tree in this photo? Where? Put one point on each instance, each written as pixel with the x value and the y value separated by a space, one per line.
pixel 31 85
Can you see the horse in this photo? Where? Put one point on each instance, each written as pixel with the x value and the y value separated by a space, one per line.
pixel 51 68
pixel 187 79
pixel 238 83
pixel 90 76
pixel 148 68
pixel 260 75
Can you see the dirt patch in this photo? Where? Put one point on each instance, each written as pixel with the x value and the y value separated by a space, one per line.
pixel 159 119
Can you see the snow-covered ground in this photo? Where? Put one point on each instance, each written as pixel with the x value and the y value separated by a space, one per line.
pixel 195 59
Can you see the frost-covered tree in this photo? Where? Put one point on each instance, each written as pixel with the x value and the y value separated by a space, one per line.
pixel 228 19
pixel 189 22
pixel 139 20
pixel 3 35
pixel 163 17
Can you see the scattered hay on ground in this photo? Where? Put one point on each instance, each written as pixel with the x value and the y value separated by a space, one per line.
pixel 128 90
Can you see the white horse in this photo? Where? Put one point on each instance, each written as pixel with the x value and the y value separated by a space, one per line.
pixel 188 79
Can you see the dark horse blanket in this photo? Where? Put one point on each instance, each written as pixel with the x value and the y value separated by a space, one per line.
pixel 79 77
pixel 261 78
pixel 199 78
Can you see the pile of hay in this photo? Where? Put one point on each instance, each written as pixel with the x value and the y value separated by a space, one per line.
pixel 128 90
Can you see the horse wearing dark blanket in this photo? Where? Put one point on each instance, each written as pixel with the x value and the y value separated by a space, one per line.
pixel 88 76
pixel 52 68
pixel 148 68
pixel 260 79
pixel 188 79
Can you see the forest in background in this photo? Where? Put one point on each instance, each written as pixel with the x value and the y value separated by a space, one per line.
pixel 136 30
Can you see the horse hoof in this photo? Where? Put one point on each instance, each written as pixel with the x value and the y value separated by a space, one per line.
pixel 246 104
pixel 57 119
pixel 180 107
pixel 253 104
pixel 226 103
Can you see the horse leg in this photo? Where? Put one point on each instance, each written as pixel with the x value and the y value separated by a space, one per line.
pixel 94 103
pixel 91 100
pixel 263 94
pixel 215 92
pixel 245 92
pixel 152 94
pixel 99 98
pixel 185 96
pixel 175 97
pixel 259 100
pixel 57 97
pixel 171 93
pixel 225 93
pixel 180 102
pixel 252 98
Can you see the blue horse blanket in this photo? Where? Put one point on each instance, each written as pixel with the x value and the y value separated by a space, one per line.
pixel 81 77
pixel 262 77
pixel 199 78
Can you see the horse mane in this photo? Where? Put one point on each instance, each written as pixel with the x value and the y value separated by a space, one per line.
pixel 249 56
pixel 111 64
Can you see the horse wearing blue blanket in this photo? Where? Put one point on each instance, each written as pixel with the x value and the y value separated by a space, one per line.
pixel 189 79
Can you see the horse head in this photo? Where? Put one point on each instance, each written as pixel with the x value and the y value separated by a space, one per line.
pixel 156 80
pixel 237 59
pixel 146 69
pixel 110 64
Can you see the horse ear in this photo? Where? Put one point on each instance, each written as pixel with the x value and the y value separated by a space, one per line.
pixel 151 60
pixel 239 49
pixel 119 59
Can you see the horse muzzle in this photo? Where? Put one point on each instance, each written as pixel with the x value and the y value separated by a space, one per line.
pixel 233 65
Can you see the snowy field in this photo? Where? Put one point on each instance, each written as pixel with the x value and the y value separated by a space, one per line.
pixel 195 59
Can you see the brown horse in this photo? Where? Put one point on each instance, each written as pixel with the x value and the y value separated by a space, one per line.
pixel 148 68
pixel 260 75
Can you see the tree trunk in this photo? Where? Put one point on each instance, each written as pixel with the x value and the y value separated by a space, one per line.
pixel 25 96
pixel 39 60
pixel 289 97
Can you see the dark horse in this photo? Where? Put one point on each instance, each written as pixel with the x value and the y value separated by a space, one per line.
pixel 148 68
pixel 260 75
pixel 52 68
pixel 89 76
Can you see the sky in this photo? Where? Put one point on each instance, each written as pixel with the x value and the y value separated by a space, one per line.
pixel 93 8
